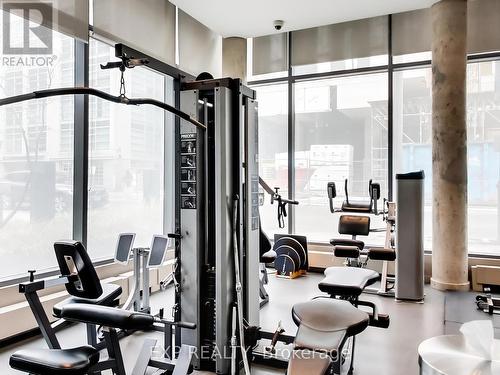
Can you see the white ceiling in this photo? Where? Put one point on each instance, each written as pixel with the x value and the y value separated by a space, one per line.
pixel 251 18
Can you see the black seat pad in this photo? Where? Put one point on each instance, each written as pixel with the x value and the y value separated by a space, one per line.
pixel 268 256
pixel 361 206
pixel 347 242
pixel 107 316
pixel 347 281
pixel 325 322
pixel 110 292
pixel 55 361
pixel 308 362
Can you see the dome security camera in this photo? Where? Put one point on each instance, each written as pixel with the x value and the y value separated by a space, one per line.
pixel 278 25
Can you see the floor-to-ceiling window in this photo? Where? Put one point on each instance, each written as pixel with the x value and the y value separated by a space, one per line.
pixel 126 156
pixel 412 145
pixel 340 134
pixel 36 157
pixel 483 149
pixel 273 150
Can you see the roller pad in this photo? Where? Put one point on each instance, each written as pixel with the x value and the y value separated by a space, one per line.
pixel 382 254
pixel 346 251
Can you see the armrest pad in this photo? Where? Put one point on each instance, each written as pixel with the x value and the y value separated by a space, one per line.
pixel 382 254
pixel 107 316
pixel 346 251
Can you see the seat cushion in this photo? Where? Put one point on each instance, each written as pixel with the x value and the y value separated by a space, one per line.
pixel 55 361
pixel 110 292
pixel 308 362
pixel 347 281
pixel 325 322
pixel 268 257
pixel 361 206
pixel 347 242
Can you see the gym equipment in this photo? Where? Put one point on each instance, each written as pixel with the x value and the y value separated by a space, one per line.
pixel 487 302
pixel 267 256
pixel 144 259
pixel 80 279
pixel 291 255
pixel 409 236
pixel 127 62
pixel 324 343
pixel 359 205
pixel 370 207
pixel 86 359
pixel 276 197
pixel 355 254
pixel 218 163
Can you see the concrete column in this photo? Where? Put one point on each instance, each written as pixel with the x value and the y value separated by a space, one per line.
pixel 449 146
pixel 234 58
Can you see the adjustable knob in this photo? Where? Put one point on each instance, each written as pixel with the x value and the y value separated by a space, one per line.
pixel 32 275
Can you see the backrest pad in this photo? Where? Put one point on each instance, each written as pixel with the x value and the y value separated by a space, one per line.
pixel 354 225
pixel 73 253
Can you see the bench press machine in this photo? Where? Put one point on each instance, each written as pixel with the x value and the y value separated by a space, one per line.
pixel 86 359
pixel 90 303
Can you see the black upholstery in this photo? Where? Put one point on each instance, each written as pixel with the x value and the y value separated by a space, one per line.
pixel 74 361
pixel 264 242
pixel 325 322
pixel 347 242
pixel 111 292
pixel 107 316
pixel 354 225
pixel 382 254
pixel 308 362
pixel 359 206
pixel 347 281
pixel 88 285
pixel 267 254
pixel 346 251
pixel 268 257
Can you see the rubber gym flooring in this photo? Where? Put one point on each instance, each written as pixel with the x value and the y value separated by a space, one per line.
pixel 390 351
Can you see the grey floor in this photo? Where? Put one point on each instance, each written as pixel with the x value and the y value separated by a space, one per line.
pixel 390 351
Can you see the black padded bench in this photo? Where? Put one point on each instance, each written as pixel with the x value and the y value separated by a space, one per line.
pixel 85 359
pixel 80 360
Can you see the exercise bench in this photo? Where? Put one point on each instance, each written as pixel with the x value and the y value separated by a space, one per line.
pixel 86 359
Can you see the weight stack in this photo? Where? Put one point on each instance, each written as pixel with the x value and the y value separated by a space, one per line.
pixel 410 236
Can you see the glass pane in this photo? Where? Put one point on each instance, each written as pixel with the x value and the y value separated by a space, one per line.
pixel 349 64
pixel 483 133
pixel 341 132
pixel 413 133
pixel 36 158
pixel 126 157
pixel 273 150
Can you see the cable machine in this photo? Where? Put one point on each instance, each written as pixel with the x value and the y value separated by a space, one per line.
pixel 216 166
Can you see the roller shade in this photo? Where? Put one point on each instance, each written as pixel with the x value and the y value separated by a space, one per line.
pixel 146 25
pixel 483 26
pixel 269 54
pixel 342 41
pixel 69 17
pixel 200 49
pixel 411 32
